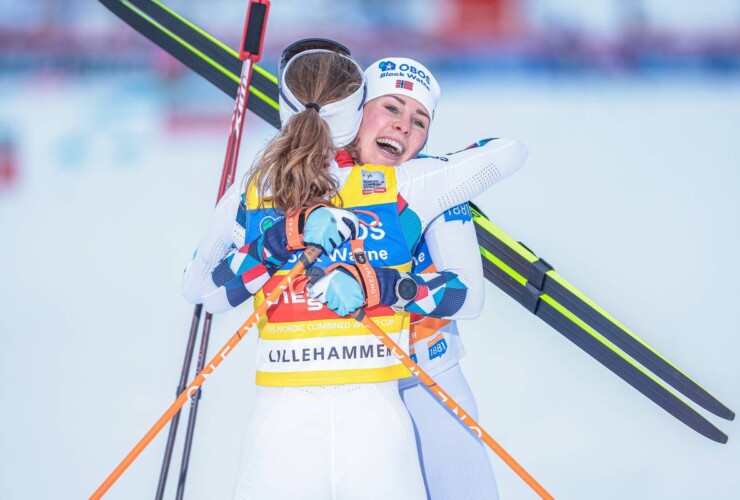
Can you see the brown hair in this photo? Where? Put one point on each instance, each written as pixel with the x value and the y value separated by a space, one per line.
pixel 292 168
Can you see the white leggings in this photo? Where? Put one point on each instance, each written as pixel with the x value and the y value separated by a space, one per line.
pixel 455 462
pixel 346 442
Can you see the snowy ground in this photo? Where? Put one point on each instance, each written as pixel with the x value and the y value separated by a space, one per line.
pixel 630 192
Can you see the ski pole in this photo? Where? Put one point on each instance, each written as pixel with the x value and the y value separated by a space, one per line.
pixel 450 403
pixel 250 53
pixel 306 259
pixel 184 371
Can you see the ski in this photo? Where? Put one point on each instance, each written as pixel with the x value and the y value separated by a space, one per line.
pixel 575 329
pixel 522 261
pixel 507 263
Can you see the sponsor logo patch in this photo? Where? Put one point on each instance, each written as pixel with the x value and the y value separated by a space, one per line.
pixel 460 212
pixel 373 182
pixel 387 65
pixel 266 223
pixel 406 72
pixel 437 347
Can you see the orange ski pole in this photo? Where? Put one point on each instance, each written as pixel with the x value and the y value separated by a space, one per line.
pixel 445 398
pixel 306 260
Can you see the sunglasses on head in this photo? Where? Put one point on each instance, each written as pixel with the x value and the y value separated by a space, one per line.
pixel 305 44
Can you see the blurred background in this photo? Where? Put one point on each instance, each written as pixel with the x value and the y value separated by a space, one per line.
pixel 110 155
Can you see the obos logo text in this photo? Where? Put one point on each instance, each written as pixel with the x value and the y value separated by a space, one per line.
pixel 408 71
pixel 344 253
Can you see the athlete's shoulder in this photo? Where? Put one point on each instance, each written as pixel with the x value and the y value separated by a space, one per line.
pixel 510 150
pixel 502 148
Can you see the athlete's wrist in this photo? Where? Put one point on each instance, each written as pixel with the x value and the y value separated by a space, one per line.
pixel 387 278
pixel 406 290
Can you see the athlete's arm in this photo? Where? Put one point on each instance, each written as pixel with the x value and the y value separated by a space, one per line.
pixel 221 275
pixel 456 289
pixel 434 184
pixel 455 292
pixel 213 247
pixel 241 273
pixel 429 186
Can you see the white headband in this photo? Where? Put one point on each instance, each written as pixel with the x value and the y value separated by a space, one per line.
pixel 403 76
pixel 343 116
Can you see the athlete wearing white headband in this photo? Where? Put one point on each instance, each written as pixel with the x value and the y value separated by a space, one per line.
pixel 402 91
pixel 403 76
pixel 455 465
pixel 343 116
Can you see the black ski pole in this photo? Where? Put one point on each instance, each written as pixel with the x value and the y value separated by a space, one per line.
pixel 180 387
pixel 190 432
pixel 250 52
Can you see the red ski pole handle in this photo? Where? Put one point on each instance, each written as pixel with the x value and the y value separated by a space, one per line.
pixel 250 52
pixel 253 36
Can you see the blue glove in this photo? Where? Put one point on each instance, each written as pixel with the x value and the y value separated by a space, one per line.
pixel 339 291
pixel 328 228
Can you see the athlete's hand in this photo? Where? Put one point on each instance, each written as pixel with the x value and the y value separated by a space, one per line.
pixel 328 228
pixel 339 291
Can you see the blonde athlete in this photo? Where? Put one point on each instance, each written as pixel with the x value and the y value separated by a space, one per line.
pixel 328 421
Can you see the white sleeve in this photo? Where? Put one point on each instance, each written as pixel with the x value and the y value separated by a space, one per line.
pixel 434 184
pixel 453 247
pixel 215 245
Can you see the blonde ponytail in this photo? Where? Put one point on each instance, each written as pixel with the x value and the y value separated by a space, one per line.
pixel 291 172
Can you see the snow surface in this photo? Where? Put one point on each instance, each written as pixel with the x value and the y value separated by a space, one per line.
pixel 629 192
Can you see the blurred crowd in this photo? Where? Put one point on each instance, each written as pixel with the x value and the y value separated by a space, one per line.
pixel 522 35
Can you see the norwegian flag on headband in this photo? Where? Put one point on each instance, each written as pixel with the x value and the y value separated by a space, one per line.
pixel 404 84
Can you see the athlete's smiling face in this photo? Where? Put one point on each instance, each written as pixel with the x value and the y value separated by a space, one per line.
pixel 394 129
